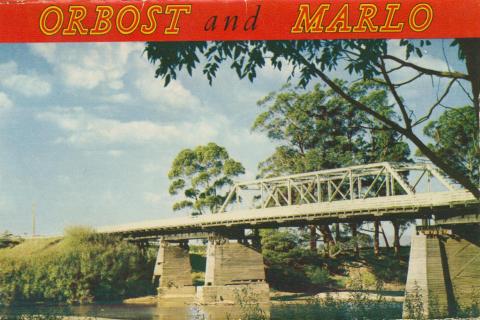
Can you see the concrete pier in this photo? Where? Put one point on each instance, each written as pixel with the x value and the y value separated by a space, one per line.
pixel 174 271
pixel 443 272
pixel 232 268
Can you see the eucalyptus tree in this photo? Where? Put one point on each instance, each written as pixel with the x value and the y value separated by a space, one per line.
pixel 453 135
pixel 319 129
pixel 200 176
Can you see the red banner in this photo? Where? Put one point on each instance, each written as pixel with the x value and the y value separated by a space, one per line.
pixel 153 20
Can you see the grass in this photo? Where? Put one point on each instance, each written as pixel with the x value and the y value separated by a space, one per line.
pixel 32 247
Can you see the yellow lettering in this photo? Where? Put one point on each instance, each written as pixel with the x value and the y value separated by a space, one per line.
pixel 58 13
pixel 307 23
pixel 391 8
pixel 413 21
pixel 176 10
pixel 368 11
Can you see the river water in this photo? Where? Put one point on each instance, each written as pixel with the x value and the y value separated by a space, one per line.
pixel 122 311
pixel 165 312
pixel 173 310
pixel 128 311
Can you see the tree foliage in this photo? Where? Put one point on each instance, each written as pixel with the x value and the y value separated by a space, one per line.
pixel 313 59
pixel 453 134
pixel 318 129
pixel 290 265
pixel 201 174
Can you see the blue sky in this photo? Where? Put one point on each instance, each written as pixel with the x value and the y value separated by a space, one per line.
pixel 88 134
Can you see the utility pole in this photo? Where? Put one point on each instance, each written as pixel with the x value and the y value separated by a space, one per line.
pixel 33 220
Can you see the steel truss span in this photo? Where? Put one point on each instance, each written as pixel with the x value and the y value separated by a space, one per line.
pixel 367 192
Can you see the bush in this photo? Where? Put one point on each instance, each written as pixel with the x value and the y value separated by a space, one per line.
pixel 290 265
pixel 361 279
pixel 82 268
pixel 318 276
pixel 8 240
pixel 356 307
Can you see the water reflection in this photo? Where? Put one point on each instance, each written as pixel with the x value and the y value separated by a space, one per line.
pixel 162 311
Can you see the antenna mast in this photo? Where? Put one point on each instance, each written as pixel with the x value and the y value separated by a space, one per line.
pixel 33 220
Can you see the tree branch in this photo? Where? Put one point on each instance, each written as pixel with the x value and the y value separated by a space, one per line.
pixel 436 160
pixel 442 74
pixel 401 105
pixel 436 104
pixel 408 81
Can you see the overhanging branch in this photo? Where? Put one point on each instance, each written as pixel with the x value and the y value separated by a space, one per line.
pixel 442 74
pixel 431 155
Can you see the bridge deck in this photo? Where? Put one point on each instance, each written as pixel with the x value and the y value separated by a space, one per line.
pixel 416 205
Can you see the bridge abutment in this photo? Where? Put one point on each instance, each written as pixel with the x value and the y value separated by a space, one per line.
pixel 233 269
pixel 443 272
pixel 174 271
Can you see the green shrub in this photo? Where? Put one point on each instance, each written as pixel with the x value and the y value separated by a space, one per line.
pixel 318 276
pixel 250 309
pixel 361 279
pixel 82 268
pixel 357 307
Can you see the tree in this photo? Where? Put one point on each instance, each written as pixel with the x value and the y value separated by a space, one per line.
pixel 453 135
pixel 202 174
pixel 313 59
pixel 319 129
pixel 289 264
pixel 314 129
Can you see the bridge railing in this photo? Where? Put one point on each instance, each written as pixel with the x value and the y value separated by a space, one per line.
pixel 383 179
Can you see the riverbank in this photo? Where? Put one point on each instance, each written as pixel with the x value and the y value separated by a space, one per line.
pixel 80 268
pixel 83 267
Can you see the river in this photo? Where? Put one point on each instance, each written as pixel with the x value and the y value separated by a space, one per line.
pixel 183 311
pixel 127 311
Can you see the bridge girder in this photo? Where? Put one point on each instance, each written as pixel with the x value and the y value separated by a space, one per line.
pixel 381 191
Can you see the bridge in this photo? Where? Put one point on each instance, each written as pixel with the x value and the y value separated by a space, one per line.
pixel 359 193
pixel 444 258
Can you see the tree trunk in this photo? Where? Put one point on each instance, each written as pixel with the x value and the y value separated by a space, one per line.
pixel 313 238
pixel 376 240
pixel 356 248
pixel 471 50
pixel 257 240
pixel 396 237
pixel 384 236
pixel 337 232
pixel 327 237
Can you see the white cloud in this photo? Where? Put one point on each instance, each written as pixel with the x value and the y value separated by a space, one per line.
pixel 84 128
pixel 112 71
pixel 26 84
pixel 76 76
pixel 5 102
pixel 89 66
pixel 173 96
pixel 116 84
pixel 117 98
pixel 44 50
